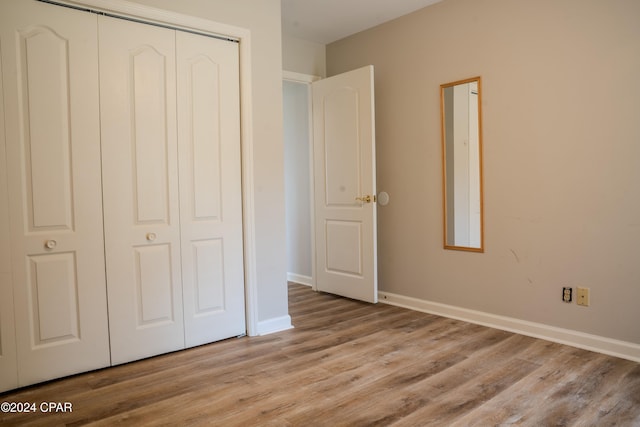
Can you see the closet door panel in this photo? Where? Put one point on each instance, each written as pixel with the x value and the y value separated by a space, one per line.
pixel 208 276
pixel 50 70
pixel 153 285
pixel 53 286
pixel 139 160
pixel 210 188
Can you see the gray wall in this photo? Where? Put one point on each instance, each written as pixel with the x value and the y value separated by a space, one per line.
pixel 561 109
pixel 302 56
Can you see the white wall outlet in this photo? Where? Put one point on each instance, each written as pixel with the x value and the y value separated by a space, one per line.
pixel 582 296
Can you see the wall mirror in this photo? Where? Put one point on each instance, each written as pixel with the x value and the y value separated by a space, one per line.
pixel 462 164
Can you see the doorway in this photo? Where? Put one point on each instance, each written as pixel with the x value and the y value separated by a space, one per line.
pixel 298 165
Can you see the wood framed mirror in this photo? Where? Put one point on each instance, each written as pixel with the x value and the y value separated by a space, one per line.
pixel 463 205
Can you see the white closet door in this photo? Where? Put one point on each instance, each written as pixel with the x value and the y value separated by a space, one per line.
pixel 50 71
pixel 139 160
pixel 210 188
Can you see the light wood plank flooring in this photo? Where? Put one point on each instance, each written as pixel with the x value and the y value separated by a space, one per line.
pixel 348 363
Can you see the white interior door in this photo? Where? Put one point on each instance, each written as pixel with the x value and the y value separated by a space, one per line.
pixel 475 207
pixel 461 158
pixel 50 72
pixel 141 205
pixel 210 188
pixel 344 168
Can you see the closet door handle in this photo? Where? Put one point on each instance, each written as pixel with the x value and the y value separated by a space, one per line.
pixel 151 237
pixel 50 244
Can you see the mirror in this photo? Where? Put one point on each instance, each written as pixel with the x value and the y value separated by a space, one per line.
pixel 462 165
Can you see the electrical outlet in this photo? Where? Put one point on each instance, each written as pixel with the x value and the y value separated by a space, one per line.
pixel 582 296
pixel 567 294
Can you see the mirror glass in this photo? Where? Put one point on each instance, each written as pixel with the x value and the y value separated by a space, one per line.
pixel 462 164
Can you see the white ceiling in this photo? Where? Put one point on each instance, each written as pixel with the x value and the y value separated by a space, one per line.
pixel 325 21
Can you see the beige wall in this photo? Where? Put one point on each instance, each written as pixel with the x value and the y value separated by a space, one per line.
pixel 262 18
pixel 561 105
pixel 302 56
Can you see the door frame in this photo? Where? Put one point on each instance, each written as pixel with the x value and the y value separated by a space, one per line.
pixel 152 15
pixel 307 79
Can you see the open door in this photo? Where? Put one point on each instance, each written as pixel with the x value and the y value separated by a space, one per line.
pixel 345 185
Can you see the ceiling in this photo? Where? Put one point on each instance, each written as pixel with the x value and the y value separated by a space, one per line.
pixel 325 21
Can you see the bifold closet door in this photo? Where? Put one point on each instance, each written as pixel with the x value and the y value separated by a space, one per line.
pixel 210 187
pixel 141 205
pixel 174 255
pixel 51 106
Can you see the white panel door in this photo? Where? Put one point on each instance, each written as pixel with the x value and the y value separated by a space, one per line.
pixel 210 188
pixel 50 71
pixel 141 206
pixel 345 185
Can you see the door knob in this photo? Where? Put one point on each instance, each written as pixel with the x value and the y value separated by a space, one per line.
pixel 151 237
pixel 366 199
pixel 50 244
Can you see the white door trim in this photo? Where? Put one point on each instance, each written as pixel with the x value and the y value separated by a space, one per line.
pixel 292 76
pixel 307 79
pixel 163 17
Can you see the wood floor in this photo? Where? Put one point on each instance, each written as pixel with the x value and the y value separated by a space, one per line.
pixel 352 364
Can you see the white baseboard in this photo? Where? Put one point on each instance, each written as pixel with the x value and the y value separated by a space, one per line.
pixel 299 278
pixel 277 324
pixel 612 347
